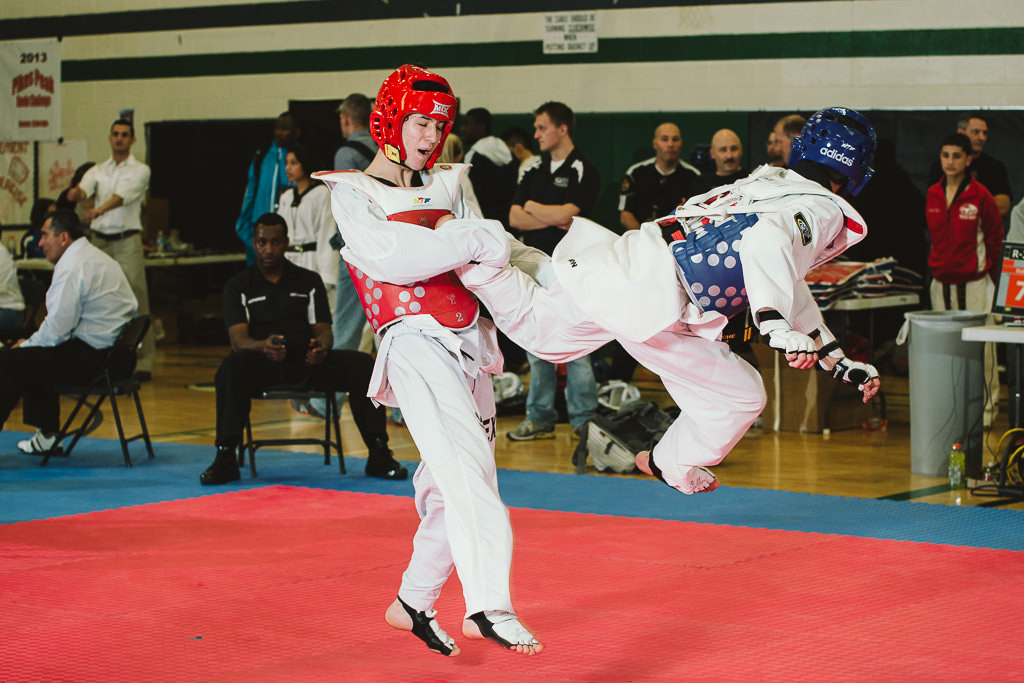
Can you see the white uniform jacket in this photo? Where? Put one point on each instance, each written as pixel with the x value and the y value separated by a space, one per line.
pixel 404 253
pixel 629 284
pixel 311 223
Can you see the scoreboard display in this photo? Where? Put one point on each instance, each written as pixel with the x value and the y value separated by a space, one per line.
pixel 1009 299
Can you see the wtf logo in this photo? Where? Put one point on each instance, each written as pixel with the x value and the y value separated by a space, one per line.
pixel 441 109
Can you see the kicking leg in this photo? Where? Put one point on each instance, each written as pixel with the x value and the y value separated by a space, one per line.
pixel 709 424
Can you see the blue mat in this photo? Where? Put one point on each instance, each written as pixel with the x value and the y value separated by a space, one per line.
pixel 94 478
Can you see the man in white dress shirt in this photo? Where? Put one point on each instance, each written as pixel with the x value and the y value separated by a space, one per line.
pixel 87 304
pixel 119 185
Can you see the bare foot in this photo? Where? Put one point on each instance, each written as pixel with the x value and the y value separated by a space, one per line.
pixel 695 479
pixel 503 628
pixel 643 459
pixel 423 626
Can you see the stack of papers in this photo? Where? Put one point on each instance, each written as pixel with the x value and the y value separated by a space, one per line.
pixel 836 280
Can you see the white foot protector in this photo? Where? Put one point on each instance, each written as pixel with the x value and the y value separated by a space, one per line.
pixel 426 628
pixel 503 628
pixel 698 480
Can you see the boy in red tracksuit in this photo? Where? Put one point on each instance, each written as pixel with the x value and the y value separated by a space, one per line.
pixel 967 240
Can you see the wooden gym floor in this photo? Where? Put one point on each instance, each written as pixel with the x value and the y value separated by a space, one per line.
pixel 854 462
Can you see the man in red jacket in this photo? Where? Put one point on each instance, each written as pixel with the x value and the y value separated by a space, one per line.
pixel 967 241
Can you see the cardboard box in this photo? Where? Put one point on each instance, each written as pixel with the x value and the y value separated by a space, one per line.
pixel 797 398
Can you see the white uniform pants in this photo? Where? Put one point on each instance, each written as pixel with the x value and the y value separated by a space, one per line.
pixel 463 523
pixel 718 393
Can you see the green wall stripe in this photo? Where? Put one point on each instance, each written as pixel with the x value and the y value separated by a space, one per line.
pixel 306 11
pixel 914 43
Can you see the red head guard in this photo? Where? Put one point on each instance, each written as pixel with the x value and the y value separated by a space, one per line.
pixel 410 90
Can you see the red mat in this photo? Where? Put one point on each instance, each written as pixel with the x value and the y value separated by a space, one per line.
pixel 290 584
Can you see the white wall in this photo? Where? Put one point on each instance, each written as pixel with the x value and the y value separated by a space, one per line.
pixel 678 83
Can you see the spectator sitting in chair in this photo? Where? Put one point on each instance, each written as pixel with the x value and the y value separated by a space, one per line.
pixel 279 325
pixel 87 304
pixel 12 303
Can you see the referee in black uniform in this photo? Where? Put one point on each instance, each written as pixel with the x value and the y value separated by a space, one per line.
pixel 655 187
pixel 279 325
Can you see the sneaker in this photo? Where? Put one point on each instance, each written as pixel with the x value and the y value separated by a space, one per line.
pixel 223 469
pixel 39 444
pixel 528 430
pixel 304 407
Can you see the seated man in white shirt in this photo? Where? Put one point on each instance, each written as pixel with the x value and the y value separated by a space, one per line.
pixel 87 304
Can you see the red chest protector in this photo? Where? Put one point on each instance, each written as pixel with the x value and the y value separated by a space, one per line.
pixel 442 296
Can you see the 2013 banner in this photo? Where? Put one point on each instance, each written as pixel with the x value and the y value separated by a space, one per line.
pixel 30 83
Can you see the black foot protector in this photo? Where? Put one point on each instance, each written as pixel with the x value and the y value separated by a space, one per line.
pixel 425 627
pixel 655 470
pixel 512 633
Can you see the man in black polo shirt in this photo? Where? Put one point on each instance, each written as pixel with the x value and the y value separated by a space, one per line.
pixel 279 325
pixel 727 153
pixel 559 185
pixel 655 187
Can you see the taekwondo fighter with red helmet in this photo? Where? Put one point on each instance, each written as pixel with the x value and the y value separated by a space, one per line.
pixel 404 231
pixel 749 243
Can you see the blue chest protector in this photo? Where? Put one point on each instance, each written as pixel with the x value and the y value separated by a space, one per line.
pixel 709 262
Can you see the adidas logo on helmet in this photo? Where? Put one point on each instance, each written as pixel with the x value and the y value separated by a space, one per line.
pixel 837 155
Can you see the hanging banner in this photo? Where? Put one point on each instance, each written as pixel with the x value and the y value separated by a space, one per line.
pixel 17 159
pixel 30 80
pixel 57 163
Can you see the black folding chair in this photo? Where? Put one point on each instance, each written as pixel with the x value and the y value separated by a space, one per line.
pixel 298 392
pixel 113 379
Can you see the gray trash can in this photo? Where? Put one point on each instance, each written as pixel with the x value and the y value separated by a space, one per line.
pixel 947 389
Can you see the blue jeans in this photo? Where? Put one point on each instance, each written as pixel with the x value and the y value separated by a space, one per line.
pixel 349 317
pixel 580 391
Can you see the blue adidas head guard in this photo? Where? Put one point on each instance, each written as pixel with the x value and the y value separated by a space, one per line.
pixel 842 140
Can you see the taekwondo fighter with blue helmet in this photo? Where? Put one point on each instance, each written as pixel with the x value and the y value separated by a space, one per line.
pixel 405 229
pixel 746 244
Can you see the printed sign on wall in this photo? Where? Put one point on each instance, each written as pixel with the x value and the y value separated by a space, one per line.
pixel 570 33
pixel 57 163
pixel 30 78
pixel 17 160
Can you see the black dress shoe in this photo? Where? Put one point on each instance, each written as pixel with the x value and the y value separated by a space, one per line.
pixel 223 469
pixel 380 463
pixel 386 469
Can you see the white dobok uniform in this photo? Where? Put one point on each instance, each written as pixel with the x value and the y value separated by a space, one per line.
pixel 599 286
pixel 310 228
pixel 437 368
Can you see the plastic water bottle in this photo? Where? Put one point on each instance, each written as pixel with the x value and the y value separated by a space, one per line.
pixel 160 243
pixel 956 468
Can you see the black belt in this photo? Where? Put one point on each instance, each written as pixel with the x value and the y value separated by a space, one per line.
pixel 305 246
pixel 117 235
